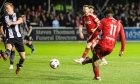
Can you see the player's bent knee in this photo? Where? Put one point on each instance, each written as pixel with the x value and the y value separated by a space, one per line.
pixel 30 42
pixel 96 64
pixel 22 55
pixel 88 45
pixel 9 46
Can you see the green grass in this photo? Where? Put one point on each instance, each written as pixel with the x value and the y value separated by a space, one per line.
pixel 36 70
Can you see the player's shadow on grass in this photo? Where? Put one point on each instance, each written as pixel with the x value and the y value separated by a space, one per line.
pixel 63 77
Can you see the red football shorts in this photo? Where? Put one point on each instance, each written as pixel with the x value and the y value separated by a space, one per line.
pixel 102 50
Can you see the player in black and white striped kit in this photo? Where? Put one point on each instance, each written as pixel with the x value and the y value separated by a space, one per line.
pixel 12 56
pixel 27 29
pixel 10 21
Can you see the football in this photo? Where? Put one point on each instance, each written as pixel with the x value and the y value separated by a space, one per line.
pixel 54 63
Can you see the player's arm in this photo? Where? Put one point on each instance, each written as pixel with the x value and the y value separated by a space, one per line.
pixel 99 29
pixel 19 21
pixel 1 27
pixel 2 32
pixel 97 21
pixel 81 32
pixel 81 29
pixel 123 40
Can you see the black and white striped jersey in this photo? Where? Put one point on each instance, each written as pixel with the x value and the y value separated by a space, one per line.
pixel 12 31
pixel 26 26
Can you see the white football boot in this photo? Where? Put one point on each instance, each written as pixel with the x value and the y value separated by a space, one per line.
pixel 103 61
pixel 11 67
pixel 79 61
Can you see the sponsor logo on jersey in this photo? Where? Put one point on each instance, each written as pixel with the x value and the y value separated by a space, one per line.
pixel 88 22
pixel 109 38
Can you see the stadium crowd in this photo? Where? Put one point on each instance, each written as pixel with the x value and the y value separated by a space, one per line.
pixel 128 13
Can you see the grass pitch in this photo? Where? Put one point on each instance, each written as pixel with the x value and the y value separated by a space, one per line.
pixel 36 70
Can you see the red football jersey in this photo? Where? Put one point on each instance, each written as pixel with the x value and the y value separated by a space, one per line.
pixel 90 22
pixel 110 29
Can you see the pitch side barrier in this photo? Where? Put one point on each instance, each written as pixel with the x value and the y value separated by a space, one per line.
pixel 132 34
pixel 72 34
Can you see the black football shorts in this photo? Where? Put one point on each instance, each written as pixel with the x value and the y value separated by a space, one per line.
pixel 17 42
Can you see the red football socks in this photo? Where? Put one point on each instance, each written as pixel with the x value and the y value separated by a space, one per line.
pixel 96 71
pixel 85 52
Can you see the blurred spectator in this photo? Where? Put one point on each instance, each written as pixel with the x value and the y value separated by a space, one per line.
pixel 129 13
pixel 61 20
pixel 45 6
pixel 55 22
pixel 39 9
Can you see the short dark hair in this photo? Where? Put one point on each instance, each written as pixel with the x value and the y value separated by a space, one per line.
pixel 109 11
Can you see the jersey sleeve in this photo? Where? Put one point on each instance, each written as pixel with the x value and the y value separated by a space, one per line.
pixel 122 36
pixel 95 19
pixel 99 28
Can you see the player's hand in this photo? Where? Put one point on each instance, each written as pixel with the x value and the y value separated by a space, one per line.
pixel 81 35
pixel 121 53
pixel 4 35
pixel 9 23
pixel 28 35
pixel 93 30
pixel 89 45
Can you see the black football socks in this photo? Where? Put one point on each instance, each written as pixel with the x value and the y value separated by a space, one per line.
pixel 30 46
pixel 12 57
pixel 21 61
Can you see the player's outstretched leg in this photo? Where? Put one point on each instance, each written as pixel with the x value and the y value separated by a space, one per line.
pixel 87 49
pixel 87 60
pixel 79 61
pixel 12 57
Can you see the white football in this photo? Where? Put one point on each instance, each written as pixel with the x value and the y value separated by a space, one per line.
pixel 54 63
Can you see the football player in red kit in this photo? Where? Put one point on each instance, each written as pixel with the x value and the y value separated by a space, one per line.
pixel 110 28
pixel 91 22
